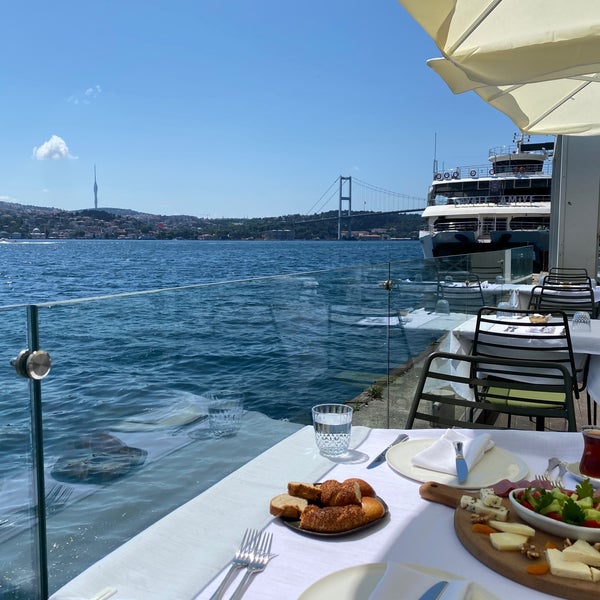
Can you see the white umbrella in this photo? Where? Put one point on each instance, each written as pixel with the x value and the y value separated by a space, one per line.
pixel 537 61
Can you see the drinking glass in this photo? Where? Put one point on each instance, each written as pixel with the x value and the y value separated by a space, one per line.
pixel 590 459
pixel 225 414
pixel 503 310
pixel 442 307
pixel 333 424
pixel 581 321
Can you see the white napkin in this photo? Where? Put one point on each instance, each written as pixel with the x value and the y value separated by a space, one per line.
pixel 414 584
pixel 441 456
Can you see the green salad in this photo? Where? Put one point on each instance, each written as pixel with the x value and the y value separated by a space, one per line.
pixel 579 507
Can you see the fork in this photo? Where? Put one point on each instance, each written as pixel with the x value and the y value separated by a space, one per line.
pixel 260 559
pixel 554 462
pixel 241 559
pixel 553 482
pixel 57 497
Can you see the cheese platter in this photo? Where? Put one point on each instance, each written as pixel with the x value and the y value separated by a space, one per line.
pixel 511 564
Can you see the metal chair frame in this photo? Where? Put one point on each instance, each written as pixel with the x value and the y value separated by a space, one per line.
pixel 438 401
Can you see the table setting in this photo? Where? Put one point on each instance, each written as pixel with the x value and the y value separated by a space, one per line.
pixel 414 541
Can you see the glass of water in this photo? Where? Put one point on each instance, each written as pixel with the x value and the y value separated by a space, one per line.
pixel 582 321
pixel 225 413
pixel 333 424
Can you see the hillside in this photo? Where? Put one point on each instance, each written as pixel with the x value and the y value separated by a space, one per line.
pixel 19 221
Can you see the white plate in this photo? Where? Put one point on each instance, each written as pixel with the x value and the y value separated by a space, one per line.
pixel 573 468
pixel 358 583
pixel 175 415
pixel 496 464
pixel 563 530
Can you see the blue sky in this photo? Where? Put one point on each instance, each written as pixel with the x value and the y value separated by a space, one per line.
pixel 225 108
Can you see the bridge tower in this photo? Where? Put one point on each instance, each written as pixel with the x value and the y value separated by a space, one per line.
pixel 345 196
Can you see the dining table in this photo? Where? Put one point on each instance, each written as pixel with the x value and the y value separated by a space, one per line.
pixel 585 341
pixel 186 554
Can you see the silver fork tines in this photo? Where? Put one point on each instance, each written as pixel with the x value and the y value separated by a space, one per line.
pixel 260 559
pixel 240 560
pixel 555 483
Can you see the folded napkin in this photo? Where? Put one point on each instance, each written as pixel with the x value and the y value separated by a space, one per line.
pixel 441 456
pixel 414 584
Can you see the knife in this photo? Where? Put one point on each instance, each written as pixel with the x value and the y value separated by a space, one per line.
pixel 381 456
pixel 435 591
pixel 462 470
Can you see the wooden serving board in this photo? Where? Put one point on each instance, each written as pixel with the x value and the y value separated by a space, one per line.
pixel 509 564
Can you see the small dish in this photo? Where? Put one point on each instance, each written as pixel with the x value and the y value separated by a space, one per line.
pixel 295 525
pixel 573 469
pixel 564 530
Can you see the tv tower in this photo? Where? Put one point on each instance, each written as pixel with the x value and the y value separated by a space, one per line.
pixel 95 190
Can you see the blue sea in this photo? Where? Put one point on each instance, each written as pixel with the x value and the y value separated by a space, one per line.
pixel 276 321
pixel 139 327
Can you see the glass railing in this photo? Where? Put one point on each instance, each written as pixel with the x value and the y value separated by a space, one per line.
pixel 125 436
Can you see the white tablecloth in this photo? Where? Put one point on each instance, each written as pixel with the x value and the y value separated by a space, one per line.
pixel 460 340
pixel 184 556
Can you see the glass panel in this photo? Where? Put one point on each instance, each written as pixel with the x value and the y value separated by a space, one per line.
pixel 19 577
pixel 127 439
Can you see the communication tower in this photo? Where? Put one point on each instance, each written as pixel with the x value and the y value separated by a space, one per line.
pixel 95 190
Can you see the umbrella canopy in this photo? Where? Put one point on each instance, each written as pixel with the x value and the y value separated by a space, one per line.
pixel 537 61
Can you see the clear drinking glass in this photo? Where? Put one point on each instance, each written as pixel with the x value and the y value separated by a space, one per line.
pixel 442 307
pixel 581 321
pixel 225 413
pixel 333 424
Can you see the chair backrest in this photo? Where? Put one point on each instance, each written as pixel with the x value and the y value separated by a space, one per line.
pixel 455 391
pixel 462 291
pixel 519 338
pixel 568 275
pixel 569 298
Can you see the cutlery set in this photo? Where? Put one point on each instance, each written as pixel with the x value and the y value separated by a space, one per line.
pixel 253 555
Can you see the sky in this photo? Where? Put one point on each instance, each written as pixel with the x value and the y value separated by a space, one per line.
pixel 225 108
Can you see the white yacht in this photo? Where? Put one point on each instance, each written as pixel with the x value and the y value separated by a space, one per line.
pixel 504 204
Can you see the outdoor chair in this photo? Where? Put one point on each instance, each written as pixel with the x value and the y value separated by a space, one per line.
pixel 516 336
pixel 569 298
pixel 566 275
pixel 455 390
pixel 462 292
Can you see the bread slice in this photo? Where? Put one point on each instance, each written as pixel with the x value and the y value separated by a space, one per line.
pixel 308 491
pixel 287 506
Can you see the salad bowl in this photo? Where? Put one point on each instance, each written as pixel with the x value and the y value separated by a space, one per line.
pixel 552 525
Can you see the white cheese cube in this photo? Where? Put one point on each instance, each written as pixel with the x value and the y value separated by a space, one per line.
pixel 583 552
pixel 518 528
pixel 507 542
pixel 488 497
pixel 565 568
pixel 478 507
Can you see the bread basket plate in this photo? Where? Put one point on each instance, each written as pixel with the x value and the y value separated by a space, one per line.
pixel 295 525
pixel 360 581
pixel 559 528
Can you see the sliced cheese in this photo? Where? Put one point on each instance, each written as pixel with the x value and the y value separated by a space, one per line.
pixel 507 542
pixel 489 498
pixel 595 574
pixel 566 568
pixel 476 506
pixel 518 528
pixel 583 552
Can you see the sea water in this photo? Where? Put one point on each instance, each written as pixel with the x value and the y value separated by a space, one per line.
pixel 285 343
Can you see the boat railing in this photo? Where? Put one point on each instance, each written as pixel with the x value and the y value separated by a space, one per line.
pixel 492 200
pixel 488 170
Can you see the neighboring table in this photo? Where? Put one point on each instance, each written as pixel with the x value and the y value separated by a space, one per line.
pixel 180 554
pixel 460 341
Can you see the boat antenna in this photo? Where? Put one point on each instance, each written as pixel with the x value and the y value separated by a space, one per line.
pixel 519 138
pixel 435 162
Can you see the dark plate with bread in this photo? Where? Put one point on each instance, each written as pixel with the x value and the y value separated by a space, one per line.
pixel 330 508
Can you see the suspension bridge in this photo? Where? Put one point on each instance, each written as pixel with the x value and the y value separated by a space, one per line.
pixel 367 200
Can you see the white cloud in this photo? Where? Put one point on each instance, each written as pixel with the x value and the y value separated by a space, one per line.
pixel 86 96
pixel 53 149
